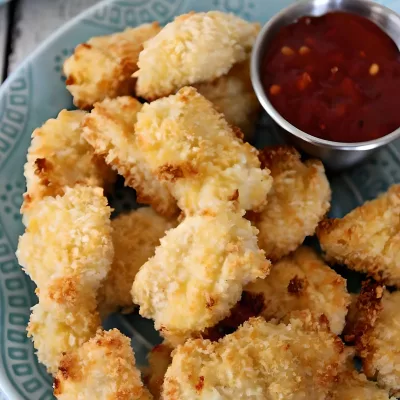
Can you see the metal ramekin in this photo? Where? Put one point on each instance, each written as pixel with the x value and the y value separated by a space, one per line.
pixel 335 155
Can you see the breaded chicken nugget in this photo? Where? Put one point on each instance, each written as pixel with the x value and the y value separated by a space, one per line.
pixel 198 273
pixel 194 48
pixel 59 157
pixel 109 128
pixel 159 361
pixel 135 237
pixel 376 332
pixel 234 96
pixel 261 361
pixel 67 250
pixel 64 319
pixel 102 369
pixel 354 386
pixel 299 199
pixel 303 281
pixel 188 144
pixel 368 238
pixel 103 66
pixel 68 235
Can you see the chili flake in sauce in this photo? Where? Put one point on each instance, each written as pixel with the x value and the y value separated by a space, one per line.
pixel 336 77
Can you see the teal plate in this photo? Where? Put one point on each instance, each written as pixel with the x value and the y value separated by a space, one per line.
pixel 35 93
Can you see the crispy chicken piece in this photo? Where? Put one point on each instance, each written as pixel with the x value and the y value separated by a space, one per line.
pixel 103 66
pixel 354 386
pixel 368 238
pixel 376 333
pixel 102 369
pixel 261 360
pixel 68 235
pixel 135 237
pixel 303 281
pixel 109 128
pixel 194 48
pixel 60 157
pixel 159 360
pixel 67 250
pixel 188 144
pixel 234 96
pixel 198 273
pixel 299 199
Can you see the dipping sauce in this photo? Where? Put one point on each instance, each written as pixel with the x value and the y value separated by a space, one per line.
pixel 336 77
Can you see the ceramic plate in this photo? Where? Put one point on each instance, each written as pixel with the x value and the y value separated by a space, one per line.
pixel 35 93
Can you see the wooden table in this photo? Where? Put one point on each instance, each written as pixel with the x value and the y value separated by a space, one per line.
pixel 24 24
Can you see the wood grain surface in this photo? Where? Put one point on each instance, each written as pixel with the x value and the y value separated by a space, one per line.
pixel 33 22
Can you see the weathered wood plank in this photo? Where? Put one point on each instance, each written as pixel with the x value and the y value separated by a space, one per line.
pixel 36 20
pixel 3 38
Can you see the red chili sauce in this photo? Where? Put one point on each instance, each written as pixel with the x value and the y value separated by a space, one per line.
pixel 336 77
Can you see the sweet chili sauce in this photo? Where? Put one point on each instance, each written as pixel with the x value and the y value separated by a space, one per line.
pixel 336 77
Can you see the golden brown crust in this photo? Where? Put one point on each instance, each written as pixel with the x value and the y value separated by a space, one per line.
pixel 103 368
pixel 59 157
pixel 299 199
pixel 191 147
pixel 194 48
pixel 135 237
pixel 303 281
pixel 103 67
pixel 283 361
pixel 109 128
pixel 367 239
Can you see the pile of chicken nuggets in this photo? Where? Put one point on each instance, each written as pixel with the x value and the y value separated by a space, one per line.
pixel 245 310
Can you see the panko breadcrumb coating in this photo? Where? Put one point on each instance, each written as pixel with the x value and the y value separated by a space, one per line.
pixel 67 250
pixel 59 156
pixel 64 319
pixel 135 237
pixel 354 386
pixel 234 96
pixel 159 360
pixel 198 273
pixel 303 281
pixel 109 128
pixel 368 238
pixel 194 48
pixel 299 199
pixel 376 333
pixel 68 235
pixel 102 369
pixel 260 361
pixel 188 144
pixel 103 66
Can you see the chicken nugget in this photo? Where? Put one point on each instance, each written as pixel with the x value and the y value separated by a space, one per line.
pixel 198 273
pixel 194 48
pixel 261 360
pixel 234 96
pixel 303 281
pixel 355 386
pixel 68 235
pixel 102 369
pixel 64 319
pixel 188 144
pixel 135 236
pixel 368 238
pixel 109 128
pixel 103 66
pixel 299 199
pixel 376 333
pixel 60 157
pixel 159 360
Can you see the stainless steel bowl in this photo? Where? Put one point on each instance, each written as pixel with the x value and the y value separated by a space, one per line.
pixel 335 155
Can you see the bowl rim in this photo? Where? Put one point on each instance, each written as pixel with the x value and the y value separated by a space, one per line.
pixel 277 117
